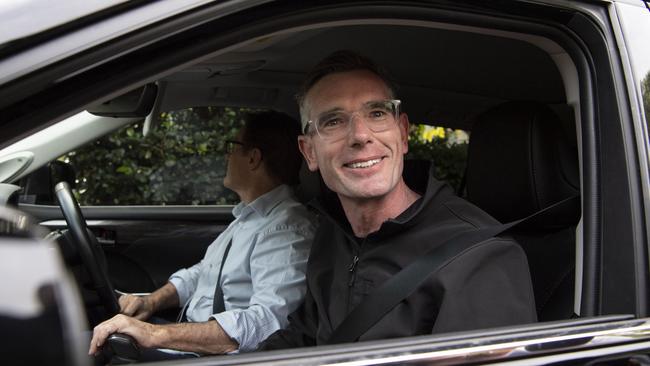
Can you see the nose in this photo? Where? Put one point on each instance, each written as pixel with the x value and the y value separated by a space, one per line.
pixel 358 133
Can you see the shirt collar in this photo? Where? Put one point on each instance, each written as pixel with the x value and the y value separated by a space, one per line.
pixel 263 204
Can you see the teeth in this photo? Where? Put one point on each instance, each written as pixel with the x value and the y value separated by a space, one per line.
pixel 364 164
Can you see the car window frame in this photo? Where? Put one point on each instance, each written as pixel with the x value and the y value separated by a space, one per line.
pixel 591 189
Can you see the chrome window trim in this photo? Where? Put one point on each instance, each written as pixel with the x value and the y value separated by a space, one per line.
pixel 525 345
pixel 522 349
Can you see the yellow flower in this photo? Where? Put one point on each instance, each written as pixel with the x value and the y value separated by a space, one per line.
pixel 428 133
pixel 439 132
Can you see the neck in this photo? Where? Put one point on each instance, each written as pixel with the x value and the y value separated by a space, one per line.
pixel 367 214
pixel 257 188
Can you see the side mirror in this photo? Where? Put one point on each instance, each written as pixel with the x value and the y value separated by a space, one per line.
pixel 134 104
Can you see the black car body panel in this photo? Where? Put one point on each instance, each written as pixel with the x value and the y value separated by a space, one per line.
pixel 453 61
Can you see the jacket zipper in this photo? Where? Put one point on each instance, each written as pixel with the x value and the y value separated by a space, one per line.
pixel 355 260
pixel 352 268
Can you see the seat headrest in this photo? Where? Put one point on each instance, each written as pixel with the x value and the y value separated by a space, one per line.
pixel 416 173
pixel 521 160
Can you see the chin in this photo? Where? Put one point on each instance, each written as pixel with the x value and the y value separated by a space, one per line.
pixel 369 190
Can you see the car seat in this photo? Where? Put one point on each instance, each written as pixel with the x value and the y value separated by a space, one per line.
pixel 522 159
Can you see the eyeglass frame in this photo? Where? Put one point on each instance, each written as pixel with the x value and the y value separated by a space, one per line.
pixel 396 103
pixel 228 146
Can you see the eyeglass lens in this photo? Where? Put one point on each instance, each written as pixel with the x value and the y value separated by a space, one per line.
pixel 378 116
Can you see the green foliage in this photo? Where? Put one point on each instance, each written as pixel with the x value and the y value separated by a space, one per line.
pixel 182 161
pixel 447 149
pixel 179 163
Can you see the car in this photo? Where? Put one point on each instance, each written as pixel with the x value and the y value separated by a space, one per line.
pixel 520 105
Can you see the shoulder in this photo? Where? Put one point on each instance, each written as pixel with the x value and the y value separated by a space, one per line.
pixel 467 212
pixel 500 255
pixel 290 215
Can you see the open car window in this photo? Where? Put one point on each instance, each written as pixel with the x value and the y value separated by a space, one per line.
pixel 181 162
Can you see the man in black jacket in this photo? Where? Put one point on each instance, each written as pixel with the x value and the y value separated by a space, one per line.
pixel 375 224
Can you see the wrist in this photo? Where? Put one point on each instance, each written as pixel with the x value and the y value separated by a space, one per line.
pixel 150 303
pixel 158 337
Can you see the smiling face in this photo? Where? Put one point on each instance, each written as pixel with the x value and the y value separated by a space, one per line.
pixel 363 164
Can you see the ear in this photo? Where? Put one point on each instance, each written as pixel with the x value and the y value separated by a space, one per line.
pixel 404 126
pixel 255 158
pixel 306 146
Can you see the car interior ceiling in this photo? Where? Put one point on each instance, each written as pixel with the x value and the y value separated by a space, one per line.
pixel 440 78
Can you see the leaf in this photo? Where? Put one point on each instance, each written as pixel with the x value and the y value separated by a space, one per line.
pixel 124 170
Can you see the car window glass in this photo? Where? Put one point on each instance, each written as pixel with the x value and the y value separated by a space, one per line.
pixel 636 26
pixel 180 162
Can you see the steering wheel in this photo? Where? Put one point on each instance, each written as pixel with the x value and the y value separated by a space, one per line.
pixel 87 247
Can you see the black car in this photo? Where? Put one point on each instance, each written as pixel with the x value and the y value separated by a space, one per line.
pixel 519 105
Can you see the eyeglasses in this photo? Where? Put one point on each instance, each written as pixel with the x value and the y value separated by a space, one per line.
pixel 378 115
pixel 229 145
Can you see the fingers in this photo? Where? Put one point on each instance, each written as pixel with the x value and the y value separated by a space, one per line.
pixel 142 315
pixel 130 305
pixel 140 331
pixel 138 307
pixel 101 333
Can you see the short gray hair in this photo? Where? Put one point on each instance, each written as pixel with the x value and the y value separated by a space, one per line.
pixel 339 61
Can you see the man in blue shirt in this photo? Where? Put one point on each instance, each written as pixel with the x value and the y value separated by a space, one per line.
pixel 258 262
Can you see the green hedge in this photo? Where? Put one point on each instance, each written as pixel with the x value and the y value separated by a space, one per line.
pixel 182 163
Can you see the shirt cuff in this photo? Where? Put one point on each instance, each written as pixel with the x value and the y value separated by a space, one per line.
pixel 228 323
pixel 181 290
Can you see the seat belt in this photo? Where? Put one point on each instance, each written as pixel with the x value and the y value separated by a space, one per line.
pixel 218 305
pixel 373 307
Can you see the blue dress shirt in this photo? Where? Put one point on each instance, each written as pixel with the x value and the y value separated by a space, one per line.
pixel 263 278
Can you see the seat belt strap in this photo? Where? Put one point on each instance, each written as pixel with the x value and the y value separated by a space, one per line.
pixel 373 307
pixel 218 304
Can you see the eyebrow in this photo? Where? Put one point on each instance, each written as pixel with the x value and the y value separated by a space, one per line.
pixel 331 110
pixel 374 103
pixel 369 103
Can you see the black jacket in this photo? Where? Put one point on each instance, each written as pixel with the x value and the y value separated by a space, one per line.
pixel 487 286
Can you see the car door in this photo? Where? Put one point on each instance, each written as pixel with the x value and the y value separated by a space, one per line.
pixel 602 66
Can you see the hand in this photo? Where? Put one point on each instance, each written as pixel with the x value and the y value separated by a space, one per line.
pixel 141 331
pixel 139 307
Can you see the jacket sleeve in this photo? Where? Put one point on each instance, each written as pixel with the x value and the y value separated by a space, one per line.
pixel 301 331
pixel 487 286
